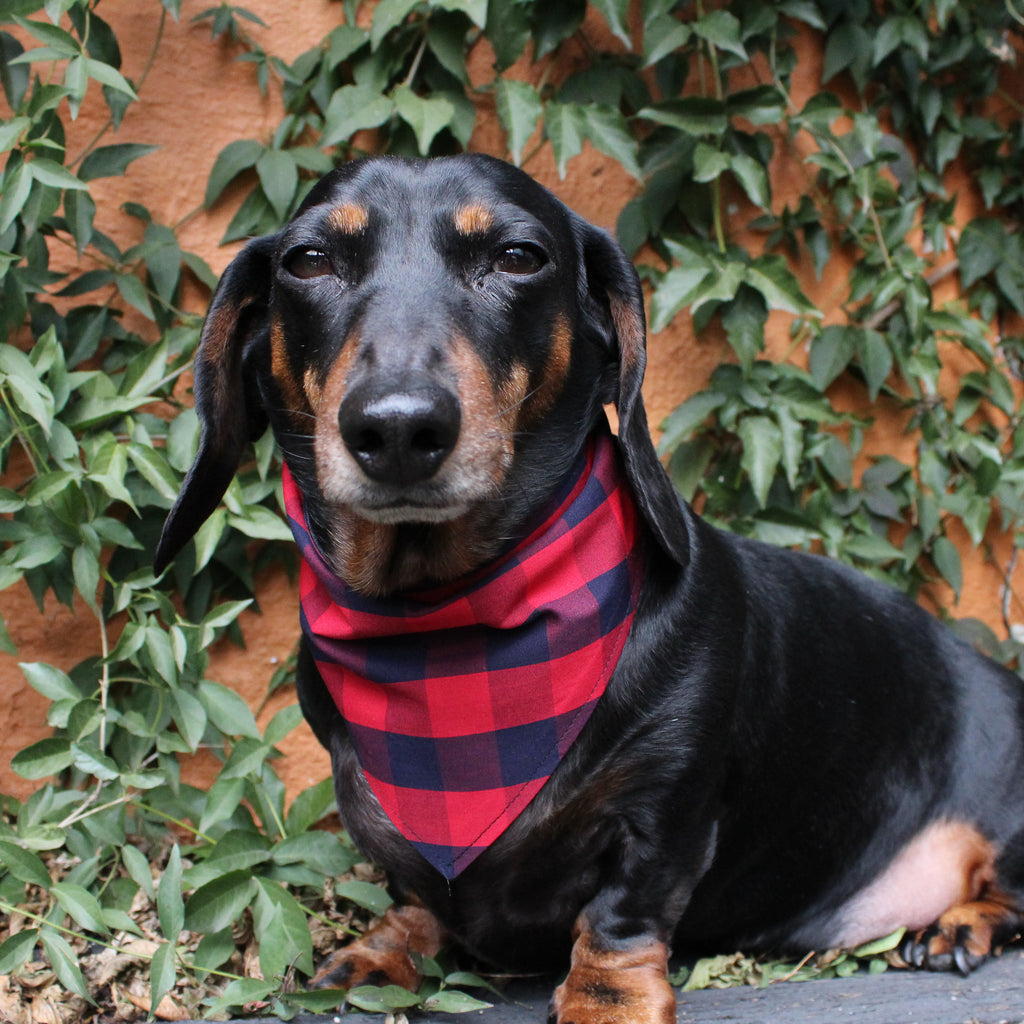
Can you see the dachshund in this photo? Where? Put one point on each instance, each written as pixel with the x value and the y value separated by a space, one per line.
pixel 574 723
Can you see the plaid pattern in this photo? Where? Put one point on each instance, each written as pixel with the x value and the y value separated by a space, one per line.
pixel 461 701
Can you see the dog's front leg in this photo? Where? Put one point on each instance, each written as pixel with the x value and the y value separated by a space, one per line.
pixel 615 981
pixel 618 972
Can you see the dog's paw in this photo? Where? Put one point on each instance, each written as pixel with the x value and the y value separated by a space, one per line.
pixel 384 954
pixel 964 936
pixel 615 987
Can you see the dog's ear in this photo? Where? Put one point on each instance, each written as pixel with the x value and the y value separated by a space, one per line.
pixel 226 400
pixel 613 282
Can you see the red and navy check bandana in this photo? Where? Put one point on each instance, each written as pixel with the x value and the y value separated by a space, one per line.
pixel 461 702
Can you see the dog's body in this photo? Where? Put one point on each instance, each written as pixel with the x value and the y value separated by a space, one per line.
pixel 787 756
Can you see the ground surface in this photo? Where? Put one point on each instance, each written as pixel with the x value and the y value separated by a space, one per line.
pixel 992 995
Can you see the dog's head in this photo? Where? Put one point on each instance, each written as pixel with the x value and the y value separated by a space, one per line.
pixel 431 342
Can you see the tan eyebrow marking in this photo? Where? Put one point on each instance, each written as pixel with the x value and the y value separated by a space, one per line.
pixel 473 220
pixel 349 218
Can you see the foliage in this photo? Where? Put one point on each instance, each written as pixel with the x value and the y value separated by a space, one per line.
pixel 733 969
pixel 698 104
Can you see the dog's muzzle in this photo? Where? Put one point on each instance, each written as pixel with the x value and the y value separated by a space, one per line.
pixel 400 435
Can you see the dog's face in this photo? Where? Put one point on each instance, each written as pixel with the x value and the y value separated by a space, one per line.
pixel 421 321
pixel 431 341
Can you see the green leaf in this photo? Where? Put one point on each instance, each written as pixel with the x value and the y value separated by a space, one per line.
pixel 309 806
pixel 450 1001
pixel 222 799
pixel 284 722
pixel 91 760
pixel 354 108
pixel 50 681
pixel 85 570
pixel 285 940
pixel 16 949
pixel 875 360
pixel 321 852
pixel 24 865
pixel 980 249
pixel 240 993
pixel 110 77
pixel 219 903
pixel 163 260
pixel 694 115
pixel 663 36
pixel 382 1000
pixel 11 132
pixel 246 758
pixel 189 715
pixel 364 894
pixel 50 35
pixel 43 758
pixel 753 178
pixel 744 318
pixel 220 616
pixel 564 127
pixel 154 468
pixel 49 172
pixel 319 1000
pixel 134 293
pixel 508 31
pixel 227 710
pixel 261 523
pixel 678 288
pixel 17 184
pixel 709 162
pixel 476 10
pixel 849 47
pixel 616 14
pixel 387 15
pixel 831 352
pixel 520 110
pixel 169 903
pixel 64 962
pixel 279 178
pixel 236 849
pixel 606 128
pixel 112 161
pixel 722 30
pixel 425 115
pixel 162 973
pixel 80 904
pixel 882 945
pixel 762 451
pixel 687 417
pixel 947 561
pixel 138 868
pixel 234 158
pixel 779 286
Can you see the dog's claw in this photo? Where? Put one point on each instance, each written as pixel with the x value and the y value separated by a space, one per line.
pixel 948 945
pixel 960 958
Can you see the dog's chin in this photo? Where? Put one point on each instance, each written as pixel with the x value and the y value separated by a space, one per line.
pixel 396 515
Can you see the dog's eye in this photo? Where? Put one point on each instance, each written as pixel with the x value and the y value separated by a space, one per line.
pixel 307 263
pixel 519 259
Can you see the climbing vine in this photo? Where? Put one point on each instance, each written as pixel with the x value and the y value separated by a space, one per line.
pixel 701 104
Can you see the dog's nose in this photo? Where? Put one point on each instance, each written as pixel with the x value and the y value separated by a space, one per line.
pixel 400 436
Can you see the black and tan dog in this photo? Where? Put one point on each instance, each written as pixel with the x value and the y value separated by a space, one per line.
pixel 787 755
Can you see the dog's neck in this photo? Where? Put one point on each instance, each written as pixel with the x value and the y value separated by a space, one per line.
pixel 379 559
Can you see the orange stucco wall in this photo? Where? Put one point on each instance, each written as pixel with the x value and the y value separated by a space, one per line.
pixel 195 100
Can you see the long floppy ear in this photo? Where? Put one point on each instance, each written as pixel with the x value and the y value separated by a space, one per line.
pixel 228 409
pixel 611 273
